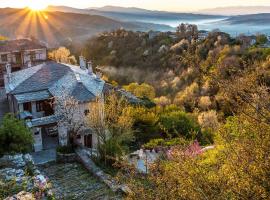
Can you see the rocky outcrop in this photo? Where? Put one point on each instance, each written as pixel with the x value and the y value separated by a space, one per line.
pixel 22 196
pixel 21 169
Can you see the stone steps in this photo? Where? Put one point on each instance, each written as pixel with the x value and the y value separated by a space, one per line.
pixel 72 181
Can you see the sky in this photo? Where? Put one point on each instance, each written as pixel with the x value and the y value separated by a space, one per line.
pixel 167 5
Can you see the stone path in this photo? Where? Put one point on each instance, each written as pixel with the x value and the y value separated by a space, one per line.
pixel 72 181
pixel 43 157
pixel 3 104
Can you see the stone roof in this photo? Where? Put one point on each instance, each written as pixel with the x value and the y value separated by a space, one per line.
pixel 42 121
pixel 33 96
pixel 53 79
pixel 20 45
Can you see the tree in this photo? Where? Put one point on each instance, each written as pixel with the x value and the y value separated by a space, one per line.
pixel 205 102
pixel 62 55
pixel 178 123
pixel 14 136
pixel 143 90
pixel 71 117
pixel 162 101
pixel 3 38
pixel 261 39
pixel 111 121
pixel 208 120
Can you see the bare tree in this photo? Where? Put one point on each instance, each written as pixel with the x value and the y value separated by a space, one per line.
pixel 70 115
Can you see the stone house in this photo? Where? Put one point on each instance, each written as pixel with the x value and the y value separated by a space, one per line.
pixel 20 54
pixel 31 93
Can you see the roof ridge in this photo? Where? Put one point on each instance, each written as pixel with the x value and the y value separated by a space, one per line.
pixel 28 75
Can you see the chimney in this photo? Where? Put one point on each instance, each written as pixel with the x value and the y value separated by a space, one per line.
pixel 90 67
pixel 8 70
pixel 82 63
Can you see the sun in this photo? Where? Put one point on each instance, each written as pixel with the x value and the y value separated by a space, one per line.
pixel 37 5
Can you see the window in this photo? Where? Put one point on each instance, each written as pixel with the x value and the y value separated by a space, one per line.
pixel 27 107
pixel 39 106
pixel 86 112
pixel 4 58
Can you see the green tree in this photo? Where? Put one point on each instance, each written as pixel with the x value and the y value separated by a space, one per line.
pixel 14 136
pixel 143 90
pixel 178 123
pixel 261 39
pixel 111 121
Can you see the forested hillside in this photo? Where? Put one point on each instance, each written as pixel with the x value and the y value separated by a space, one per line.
pixel 214 91
pixel 188 72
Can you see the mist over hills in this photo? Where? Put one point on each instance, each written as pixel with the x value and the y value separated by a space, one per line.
pixel 236 10
pixel 60 23
pixel 134 14
pixel 254 19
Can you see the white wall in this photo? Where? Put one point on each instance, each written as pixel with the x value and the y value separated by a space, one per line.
pixel 37 139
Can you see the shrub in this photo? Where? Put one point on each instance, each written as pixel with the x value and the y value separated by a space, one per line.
pixel 208 120
pixel 65 149
pixel 14 136
pixel 178 123
pixel 165 143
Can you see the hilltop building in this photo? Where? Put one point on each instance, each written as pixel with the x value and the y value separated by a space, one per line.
pixel 32 92
pixel 20 54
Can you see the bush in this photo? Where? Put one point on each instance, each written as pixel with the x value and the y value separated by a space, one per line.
pixel 165 143
pixel 178 123
pixel 65 149
pixel 14 136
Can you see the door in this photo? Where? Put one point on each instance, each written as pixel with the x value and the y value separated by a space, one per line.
pixel 88 141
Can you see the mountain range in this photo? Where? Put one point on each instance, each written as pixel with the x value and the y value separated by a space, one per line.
pixel 133 14
pixel 59 23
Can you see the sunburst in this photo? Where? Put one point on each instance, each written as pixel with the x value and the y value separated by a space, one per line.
pixel 37 5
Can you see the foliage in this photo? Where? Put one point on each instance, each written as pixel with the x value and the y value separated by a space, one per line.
pixel 205 102
pixel 62 55
pixel 178 123
pixel 70 116
pixel 111 121
pixel 154 143
pixel 238 166
pixel 14 136
pixel 10 188
pixel 261 39
pixel 208 120
pixel 145 124
pixel 65 149
pixel 2 38
pixel 143 90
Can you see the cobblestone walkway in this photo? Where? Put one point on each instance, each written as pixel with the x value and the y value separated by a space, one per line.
pixel 72 181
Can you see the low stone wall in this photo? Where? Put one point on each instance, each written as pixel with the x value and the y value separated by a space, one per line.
pixel 66 158
pixel 97 172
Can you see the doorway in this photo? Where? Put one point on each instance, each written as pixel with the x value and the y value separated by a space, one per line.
pixel 49 137
pixel 88 141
